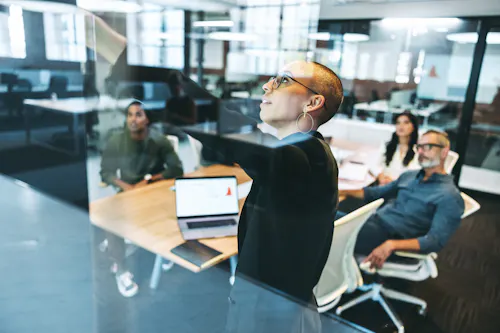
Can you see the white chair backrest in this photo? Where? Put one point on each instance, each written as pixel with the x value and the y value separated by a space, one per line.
pixel 450 161
pixel 334 280
pixel 196 147
pixel 174 141
pixel 471 205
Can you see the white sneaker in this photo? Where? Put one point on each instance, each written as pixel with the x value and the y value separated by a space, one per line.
pixel 103 246
pixel 126 286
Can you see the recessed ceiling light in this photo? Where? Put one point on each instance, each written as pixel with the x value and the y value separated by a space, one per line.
pixel 213 24
pixel 412 22
pixel 320 36
pixel 471 37
pixel 114 6
pixel 355 37
pixel 232 36
pixel 44 6
pixel 441 29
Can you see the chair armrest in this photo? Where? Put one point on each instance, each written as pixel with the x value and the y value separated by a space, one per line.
pixel 418 256
pixel 428 260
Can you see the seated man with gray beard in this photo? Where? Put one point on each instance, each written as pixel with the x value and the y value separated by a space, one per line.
pixel 423 207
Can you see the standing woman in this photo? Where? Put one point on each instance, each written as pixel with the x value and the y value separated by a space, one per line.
pixel 398 155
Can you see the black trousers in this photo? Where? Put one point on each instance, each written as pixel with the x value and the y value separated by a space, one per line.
pixel 371 235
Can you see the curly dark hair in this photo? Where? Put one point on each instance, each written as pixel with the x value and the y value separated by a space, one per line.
pixel 393 143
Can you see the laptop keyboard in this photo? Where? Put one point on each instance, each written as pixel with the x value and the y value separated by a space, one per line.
pixel 211 223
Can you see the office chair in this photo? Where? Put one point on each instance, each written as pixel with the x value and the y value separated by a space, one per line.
pixel 450 161
pixel 21 88
pixel 131 90
pixel 58 85
pixel 341 273
pixel 174 141
pixel 196 147
pixel 423 268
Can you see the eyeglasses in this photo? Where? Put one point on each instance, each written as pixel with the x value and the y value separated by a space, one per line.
pixel 280 78
pixel 427 146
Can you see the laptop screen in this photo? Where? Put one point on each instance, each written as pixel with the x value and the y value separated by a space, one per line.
pixel 206 196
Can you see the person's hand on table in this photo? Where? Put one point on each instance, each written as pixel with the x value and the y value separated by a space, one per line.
pixel 126 187
pixel 379 255
pixel 140 184
pixel 384 179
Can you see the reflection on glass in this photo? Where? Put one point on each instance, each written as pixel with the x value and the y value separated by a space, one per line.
pixel 12 41
pixel 64 37
pixel 483 151
pixel 156 38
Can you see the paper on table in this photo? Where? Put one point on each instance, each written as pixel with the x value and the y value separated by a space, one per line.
pixel 244 189
pixel 341 154
pixel 353 171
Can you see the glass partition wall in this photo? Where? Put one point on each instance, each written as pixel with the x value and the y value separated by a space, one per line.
pixel 65 97
pixel 423 66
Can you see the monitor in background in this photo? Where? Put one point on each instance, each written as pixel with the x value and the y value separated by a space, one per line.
pixel 197 197
pixel 400 98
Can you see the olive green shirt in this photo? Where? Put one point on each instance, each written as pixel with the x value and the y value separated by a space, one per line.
pixel 134 159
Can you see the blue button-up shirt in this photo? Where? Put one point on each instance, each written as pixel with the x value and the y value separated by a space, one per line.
pixel 428 210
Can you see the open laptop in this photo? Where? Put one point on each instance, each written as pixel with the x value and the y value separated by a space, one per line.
pixel 207 207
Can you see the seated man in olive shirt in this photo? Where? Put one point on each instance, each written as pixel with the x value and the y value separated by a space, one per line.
pixel 141 156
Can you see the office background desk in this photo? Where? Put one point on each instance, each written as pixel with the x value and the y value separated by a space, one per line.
pixel 76 107
pixel 383 106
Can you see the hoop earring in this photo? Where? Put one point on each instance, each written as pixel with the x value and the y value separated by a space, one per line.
pixel 297 122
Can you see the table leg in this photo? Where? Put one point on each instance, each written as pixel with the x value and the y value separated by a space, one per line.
pixel 426 121
pixel 76 139
pixel 233 262
pixel 156 274
pixel 387 117
pixel 27 124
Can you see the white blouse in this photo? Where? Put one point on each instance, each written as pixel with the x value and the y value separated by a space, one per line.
pixel 396 167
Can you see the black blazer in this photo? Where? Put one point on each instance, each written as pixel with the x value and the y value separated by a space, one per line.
pixel 286 226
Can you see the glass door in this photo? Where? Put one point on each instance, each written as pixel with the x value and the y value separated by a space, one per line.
pixel 481 169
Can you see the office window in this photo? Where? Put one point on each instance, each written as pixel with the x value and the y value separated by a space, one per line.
pixel 64 37
pixel 12 40
pixel 277 33
pixel 156 39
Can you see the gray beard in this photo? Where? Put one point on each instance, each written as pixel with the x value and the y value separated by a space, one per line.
pixel 429 163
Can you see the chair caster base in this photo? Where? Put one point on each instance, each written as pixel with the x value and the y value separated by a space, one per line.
pixel 422 312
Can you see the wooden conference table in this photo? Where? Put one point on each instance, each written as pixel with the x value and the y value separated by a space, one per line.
pixel 146 217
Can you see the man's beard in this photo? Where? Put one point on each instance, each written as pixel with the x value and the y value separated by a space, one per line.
pixel 426 163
